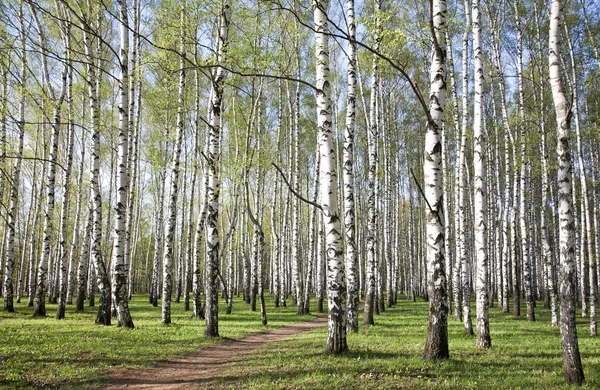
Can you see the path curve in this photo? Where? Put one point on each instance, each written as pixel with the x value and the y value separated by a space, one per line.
pixel 190 371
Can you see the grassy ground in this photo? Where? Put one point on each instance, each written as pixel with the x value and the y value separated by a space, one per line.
pixel 524 356
pixel 76 353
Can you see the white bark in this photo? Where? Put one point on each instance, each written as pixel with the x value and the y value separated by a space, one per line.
pixel 436 346
pixel 479 136
pixel 211 328
pixel 336 283
pixel 174 192
pixel 119 267
pixel 572 368
pixel 348 175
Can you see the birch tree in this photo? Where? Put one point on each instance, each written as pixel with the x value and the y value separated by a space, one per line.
pixel 572 368
pixel 481 253
pixel 172 217
pixel 436 345
pixel 15 181
pixel 211 328
pixel 349 208
pixel 336 283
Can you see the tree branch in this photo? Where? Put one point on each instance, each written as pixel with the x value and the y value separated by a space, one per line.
pixel 310 202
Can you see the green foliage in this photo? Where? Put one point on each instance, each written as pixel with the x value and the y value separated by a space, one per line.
pixel 388 356
pixel 76 353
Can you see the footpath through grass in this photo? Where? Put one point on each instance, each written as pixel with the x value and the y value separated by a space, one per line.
pixel 524 355
pixel 76 353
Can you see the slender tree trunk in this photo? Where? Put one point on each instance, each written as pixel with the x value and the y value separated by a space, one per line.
pixel 572 368
pixel 479 136
pixel 371 276
pixel 348 175
pixel 172 208
pixel 436 346
pixel 211 328
pixel 336 283
pixel 15 183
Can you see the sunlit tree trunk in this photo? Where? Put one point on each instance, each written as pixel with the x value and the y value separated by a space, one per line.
pixel 547 255
pixel 174 192
pixel 119 268
pixel 15 182
pixel 464 259
pixel 62 256
pixel 479 137
pixel 371 275
pixel 572 368
pixel 527 274
pixel 48 232
pixel 348 175
pixel 586 232
pixel 436 346
pixel 211 328
pixel 336 283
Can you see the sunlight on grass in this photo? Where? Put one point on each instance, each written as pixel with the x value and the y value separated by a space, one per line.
pixel 388 356
pixel 77 353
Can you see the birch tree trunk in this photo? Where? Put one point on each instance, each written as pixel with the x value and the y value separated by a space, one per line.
pixel 527 277
pixel 436 345
pixel 172 208
pixel 370 298
pixel 348 175
pixel 572 368
pixel 587 270
pixel 479 136
pixel 211 328
pixel 99 267
pixel 84 256
pixel 464 260
pixel 120 271
pixel 76 227
pixel 336 283
pixel 547 255
pixel 15 182
pixel 56 102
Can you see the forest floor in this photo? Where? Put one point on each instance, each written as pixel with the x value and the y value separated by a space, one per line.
pixel 209 363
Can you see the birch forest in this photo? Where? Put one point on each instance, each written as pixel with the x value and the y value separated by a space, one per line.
pixel 332 157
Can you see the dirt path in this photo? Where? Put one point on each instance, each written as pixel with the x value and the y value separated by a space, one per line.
pixel 190 371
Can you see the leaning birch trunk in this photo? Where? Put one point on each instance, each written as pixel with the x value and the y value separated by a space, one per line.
pixel 172 208
pixel 120 271
pixel 481 252
pixel 211 328
pixel 572 368
pixel 336 284
pixel 436 346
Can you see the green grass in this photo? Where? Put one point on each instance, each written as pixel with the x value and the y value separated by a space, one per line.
pixel 524 355
pixel 76 353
